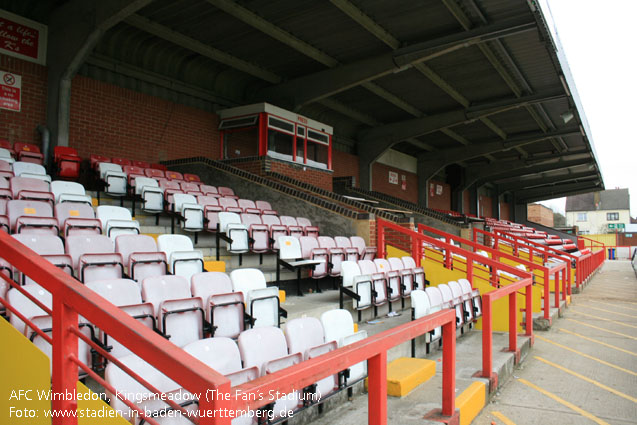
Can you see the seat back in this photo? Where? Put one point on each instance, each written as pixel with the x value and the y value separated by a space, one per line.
pixel 261 345
pixel 62 187
pixel 20 167
pixel 263 305
pixel 158 289
pixel 191 177
pixel 227 218
pixel 358 243
pixel 225 191
pixel 205 284
pixel 182 258
pixel 25 306
pixel 144 182
pixel 435 296
pixel 447 296
pixel 287 220
pixel 74 210
pixel 205 200
pixel 289 248
pixel 349 270
pixel 209 190
pixel 246 280
pixel 342 242
pixel 228 203
pixel 174 175
pixel 219 353
pixel 78 245
pixel 367 267
pixel 105 167
pixel 302 334
pixel 226 313
pixel 302 221
pixel 127 244
pixel 246 203
pixel 337 324
pixel 419 303
pixel 154 173
pixel 22 188
pixel 396 263
pixel 20 207
pixel 121 161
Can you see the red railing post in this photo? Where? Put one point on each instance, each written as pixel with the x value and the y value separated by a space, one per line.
pixel 556 277
pixel 513 321
pixel 563 283
pixel 487 337
pixel 377 398
pixel 547 290
pixel 380 239
pixel 449 368
pixel 470 271
pixel 216 402
pixel 64 377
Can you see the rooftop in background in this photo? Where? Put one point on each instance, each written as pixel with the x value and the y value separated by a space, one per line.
pixel 615 199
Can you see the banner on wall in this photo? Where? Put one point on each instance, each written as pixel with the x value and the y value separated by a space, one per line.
pixel 22 38
pixel 10 91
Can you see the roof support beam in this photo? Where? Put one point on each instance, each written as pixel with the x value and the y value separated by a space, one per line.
pixel 75 27
pixel 377 140
pixel 543 181
pixel 203 49
pixel 430 164
pixel 537 198
pixel 316 86
pixel 556 191
pixel 517 168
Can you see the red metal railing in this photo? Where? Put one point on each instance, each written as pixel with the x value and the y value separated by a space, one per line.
pixel 585 265
pixel 525 281
pixel 584 242
pixel 555 270
pixel 72 299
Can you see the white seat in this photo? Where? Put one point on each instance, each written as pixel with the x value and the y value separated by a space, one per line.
pixel 115 180
pixel 364 252
pixel 76 218
pixel 29 169
pixel 65 191
pixel 94 257
pixel 361 284
pixel 310 250
pixel 133 389
pixel 336 254
pixel 451 302
pixel 5 155
pixel 25 306
pixel 26 216
pixel 179 315
pixel 263 306
pixel 338 326
pixel 50 247
pixel 191 212
pixel 475 302
pixel 117 221
pixel 351 253
pixel 393 278
pixel 266 349
pixel 183 259
pixel 246 280
pixel 259 232
pixel 140 256
pixel 456 291
pixel 379 282
pixel 406 276
pixel 436 304
pixel 152 195
pixel 419 272
pixel 121 292
pixel 305 335
pixel 230 224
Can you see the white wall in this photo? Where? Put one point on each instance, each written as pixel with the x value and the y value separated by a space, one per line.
pixel 596 222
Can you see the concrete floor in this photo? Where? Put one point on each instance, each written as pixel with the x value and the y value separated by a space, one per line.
pixel 596 383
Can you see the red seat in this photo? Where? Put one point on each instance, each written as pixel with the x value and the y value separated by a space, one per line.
pixel 121 161
pixel 174 175
pixel 141 164
pixel 192 178
pixel 159 167
pixel 67 162
pixel 96 159
pixel 28 152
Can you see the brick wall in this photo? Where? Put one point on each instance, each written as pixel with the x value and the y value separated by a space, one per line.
pixel 240 144
pixel 486 206
pixel 439 195
pixel 538 213
pixel 505 211
pixel 345 165
pixel 380 182
pixel 319 178
pixel 21 126
pixel 115 121
pixel 466 201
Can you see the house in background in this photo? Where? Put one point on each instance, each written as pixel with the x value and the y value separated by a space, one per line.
pixel 607 211
pixel 540 214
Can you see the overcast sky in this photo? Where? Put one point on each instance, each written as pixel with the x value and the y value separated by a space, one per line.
pixel 599 38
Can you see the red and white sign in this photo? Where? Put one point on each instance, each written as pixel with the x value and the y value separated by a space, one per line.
pixel 22 38
pixel 10 91
pixel 393 177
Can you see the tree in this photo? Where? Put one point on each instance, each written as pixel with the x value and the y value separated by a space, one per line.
pixel 558 219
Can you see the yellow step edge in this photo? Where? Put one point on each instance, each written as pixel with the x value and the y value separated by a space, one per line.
pixel 471 402
pixel 405 374
pixel 215 266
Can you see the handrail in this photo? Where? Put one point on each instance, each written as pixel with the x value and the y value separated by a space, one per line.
pixel 72 299
pixel 525 281
pixel 592 241
pixel 487 321
pixel 496 254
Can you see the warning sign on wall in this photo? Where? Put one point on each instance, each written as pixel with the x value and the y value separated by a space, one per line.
pixel 393 177
pixel 10 91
